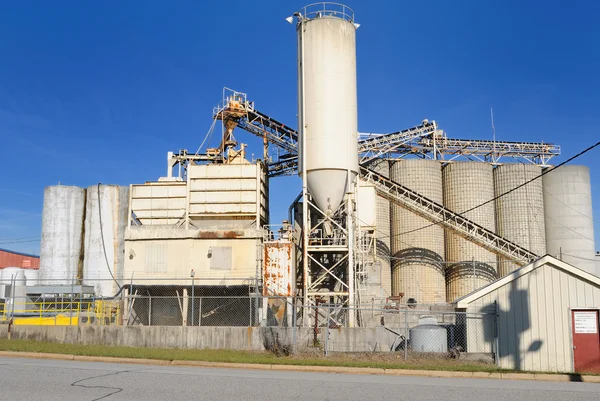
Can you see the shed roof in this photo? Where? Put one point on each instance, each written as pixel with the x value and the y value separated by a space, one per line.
pixel 464 301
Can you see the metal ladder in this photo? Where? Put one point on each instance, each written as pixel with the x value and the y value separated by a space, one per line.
pixel 437 213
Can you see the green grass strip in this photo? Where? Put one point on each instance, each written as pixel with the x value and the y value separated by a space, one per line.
pixel 208 355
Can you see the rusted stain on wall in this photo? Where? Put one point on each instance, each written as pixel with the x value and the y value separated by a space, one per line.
pixel 220 234
pixel 277 269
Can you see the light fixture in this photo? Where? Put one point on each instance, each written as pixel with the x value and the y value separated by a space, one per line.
pixel 356 25
pixel 290 19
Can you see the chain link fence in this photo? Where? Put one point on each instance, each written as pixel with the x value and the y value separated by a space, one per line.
pixel 379 325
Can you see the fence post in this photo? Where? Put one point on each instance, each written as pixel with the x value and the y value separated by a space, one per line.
pixel 192 274
pixel 327 330
pixel 200 310
pixel 294 326
pixel 406 333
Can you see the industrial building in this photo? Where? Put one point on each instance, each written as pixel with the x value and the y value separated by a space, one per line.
pixel 10 258
pixel 547 317
pixel 410 217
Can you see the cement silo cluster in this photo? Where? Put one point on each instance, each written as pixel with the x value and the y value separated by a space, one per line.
pixel 82 236
pixel 546 214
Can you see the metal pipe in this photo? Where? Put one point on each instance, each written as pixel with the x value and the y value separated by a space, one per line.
pixel 305 217
pixel 351 269
pixel 291 216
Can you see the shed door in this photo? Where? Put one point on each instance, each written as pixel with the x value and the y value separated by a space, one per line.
pixel 586 341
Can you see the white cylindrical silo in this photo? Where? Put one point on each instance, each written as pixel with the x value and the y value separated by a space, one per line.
pixel 105 223
pixel 417 246
pixel 382 232
pixel 569 220
pixel 62 228
pixel 520 213
pixel 469 266
pixel 327 103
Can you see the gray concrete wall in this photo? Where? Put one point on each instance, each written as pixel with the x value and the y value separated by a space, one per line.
pixel 237 338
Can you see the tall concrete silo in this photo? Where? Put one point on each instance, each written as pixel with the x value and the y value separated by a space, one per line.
pixel 569 220
pixel 62 234
pixel 327 103
pixel 417 252
pixel 382 232
pixel 520 213
pixel 105 223
pixel 469 266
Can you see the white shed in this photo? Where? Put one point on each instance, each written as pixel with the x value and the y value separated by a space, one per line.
pixel 547 318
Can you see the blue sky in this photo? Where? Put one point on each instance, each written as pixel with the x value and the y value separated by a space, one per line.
pixel 100 91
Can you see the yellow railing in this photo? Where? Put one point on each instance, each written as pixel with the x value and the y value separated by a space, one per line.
pixel 104 313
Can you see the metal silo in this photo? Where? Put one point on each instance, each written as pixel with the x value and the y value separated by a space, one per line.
pixel 469 266
pixel 568 212
pixel 382 233
pixel 62 229
pixel 417 245
pixel 105 223
pixel 327 99
pixel 520 214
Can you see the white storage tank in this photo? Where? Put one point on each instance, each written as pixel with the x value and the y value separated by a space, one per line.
pixel 13 273
pixel 62 228
pixel 429 338
pixel 520 213
pixel 105 223
pixel 569 219
pixel 470 266
pixel 327 102
pixel 417 246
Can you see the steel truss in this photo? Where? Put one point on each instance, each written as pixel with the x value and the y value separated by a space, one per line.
pixel 328 257
pixel 425 140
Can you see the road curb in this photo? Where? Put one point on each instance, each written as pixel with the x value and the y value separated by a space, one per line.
pixel 312 368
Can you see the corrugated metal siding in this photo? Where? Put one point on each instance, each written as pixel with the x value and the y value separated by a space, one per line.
pixel 16 259
pixel 535 307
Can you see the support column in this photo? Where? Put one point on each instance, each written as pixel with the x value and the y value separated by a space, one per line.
pixel 185 307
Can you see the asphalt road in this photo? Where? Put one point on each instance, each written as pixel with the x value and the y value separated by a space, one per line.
pixel 49 380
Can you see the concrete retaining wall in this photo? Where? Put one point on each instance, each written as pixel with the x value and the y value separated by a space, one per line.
pixel 236 338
